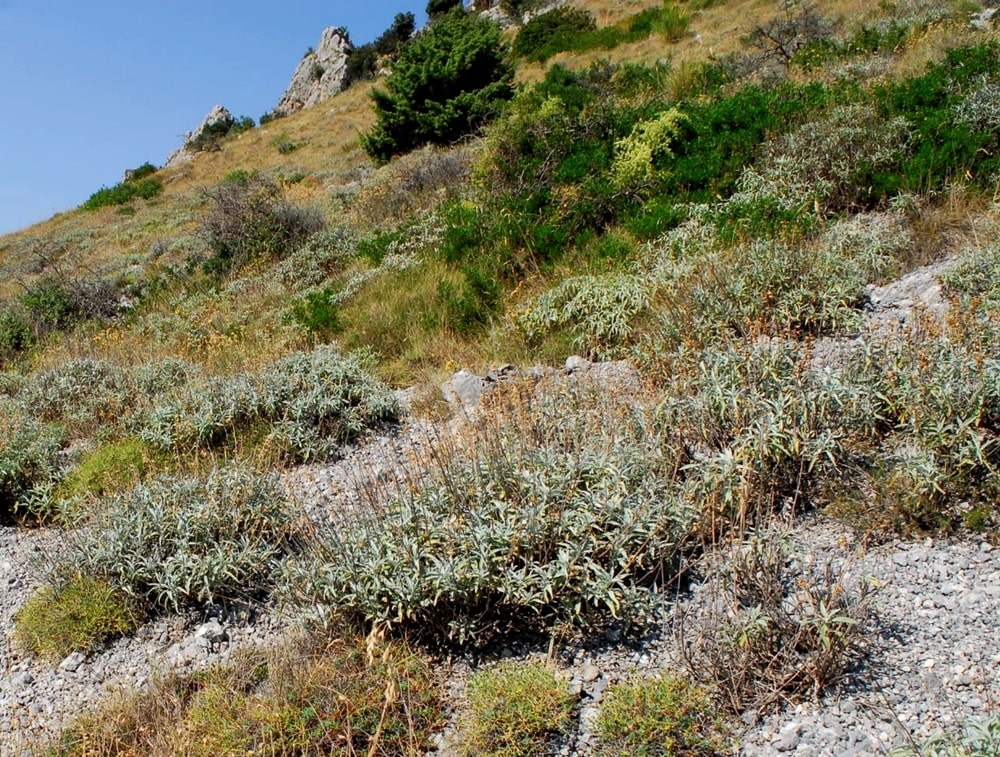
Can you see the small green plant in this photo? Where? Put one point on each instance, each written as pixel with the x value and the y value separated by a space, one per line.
pixel 75 615
pixel 317 312
pixel 515 711
pixel 284 144
pixel 657 718
pixel 976 738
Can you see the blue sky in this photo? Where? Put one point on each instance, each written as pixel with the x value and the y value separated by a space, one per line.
pixel 89 88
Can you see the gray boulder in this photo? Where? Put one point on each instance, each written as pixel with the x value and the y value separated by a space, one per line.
pixel 219 119
pixel 320 74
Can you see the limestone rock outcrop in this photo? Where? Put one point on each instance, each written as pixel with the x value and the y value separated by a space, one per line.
pixel 320 74
pixel 219 120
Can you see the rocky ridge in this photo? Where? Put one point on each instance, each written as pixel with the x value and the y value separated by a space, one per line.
pixel 320 74
pixel 218 119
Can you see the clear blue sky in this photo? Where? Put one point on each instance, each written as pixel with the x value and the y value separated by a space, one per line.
pixel 89 88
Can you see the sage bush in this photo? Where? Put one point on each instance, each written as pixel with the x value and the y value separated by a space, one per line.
pixel 306 406
pixel 181 542
pixel 559 510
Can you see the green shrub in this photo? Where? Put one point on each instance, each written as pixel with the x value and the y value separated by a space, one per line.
pixel 515 711
pixel 15 335
pixel 123 193
pixel 667 20
pixel 48 306
pixel 447 83
pixel 722 134
pixel 566 28
pixel 437 8
pixel 173 543
pixel 944 143
pixel 560 513
pixel 317 312
pixel 251 221
pixel 110 469
pixel 550 32
pixel 74 616
pixel 140 173
pixel 656 718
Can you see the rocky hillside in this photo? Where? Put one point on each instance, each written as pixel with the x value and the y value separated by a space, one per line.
pixel 293 459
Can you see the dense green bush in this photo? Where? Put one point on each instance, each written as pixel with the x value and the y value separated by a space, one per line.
pixel 75 615
pixel 945 143
pixel 15 335
pixel 567 28
pixel 317 312
pixel 362 60
pixel 548 33
pixel 123 193
pixel 447 83
pixel 250 221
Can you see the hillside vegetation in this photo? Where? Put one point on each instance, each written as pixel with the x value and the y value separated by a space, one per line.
pixel 704 188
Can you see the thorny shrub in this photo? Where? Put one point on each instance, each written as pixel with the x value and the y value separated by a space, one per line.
pixel 250 220
pixel 774 628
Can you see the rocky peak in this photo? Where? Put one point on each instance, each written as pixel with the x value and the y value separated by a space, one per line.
pixel 320 74
pixel 218 121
